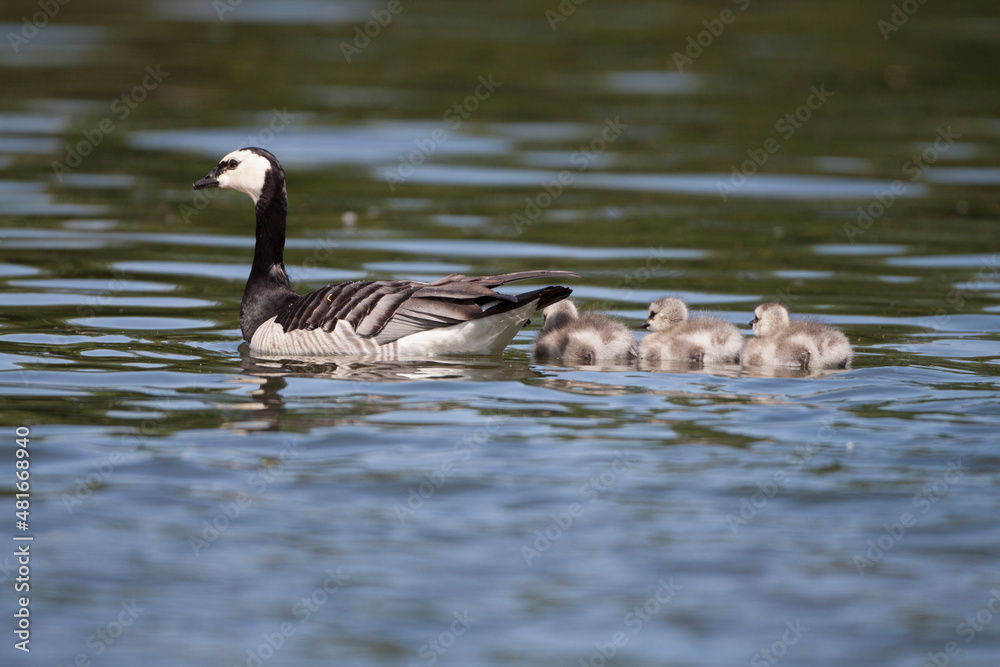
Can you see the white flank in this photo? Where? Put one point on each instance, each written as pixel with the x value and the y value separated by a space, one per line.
pixel 487 335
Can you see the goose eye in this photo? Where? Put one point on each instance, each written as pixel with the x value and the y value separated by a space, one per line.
pixel 232 164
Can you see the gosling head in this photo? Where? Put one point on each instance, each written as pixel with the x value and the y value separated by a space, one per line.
pixel 769 318
pixel 251 170
pixel 665 313
pixel 559 314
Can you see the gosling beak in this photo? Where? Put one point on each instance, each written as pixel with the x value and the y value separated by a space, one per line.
pixel 210 181
pixel 645 325
pixel 754 321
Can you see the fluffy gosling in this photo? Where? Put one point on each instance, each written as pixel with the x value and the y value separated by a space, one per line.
pixel 804 344
pixel 698 340
pixel 586 338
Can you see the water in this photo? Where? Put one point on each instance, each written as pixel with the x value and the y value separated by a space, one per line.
pixel 192 504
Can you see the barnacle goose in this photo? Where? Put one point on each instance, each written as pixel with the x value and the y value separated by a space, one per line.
pixel 588 338
pixel 384 319
pixel 803 344
pixel 702 339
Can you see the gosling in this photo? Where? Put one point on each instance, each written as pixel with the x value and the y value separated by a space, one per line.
pixel 587 338
pixel 804 344
pixel 699 340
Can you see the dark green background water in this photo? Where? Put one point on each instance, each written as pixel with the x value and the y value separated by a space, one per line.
pixel 194 505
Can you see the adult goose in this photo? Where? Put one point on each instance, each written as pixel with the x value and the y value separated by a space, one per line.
pixel 803 344
pixel 384 319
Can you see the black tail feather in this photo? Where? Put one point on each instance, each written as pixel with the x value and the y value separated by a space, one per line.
pixel 550 295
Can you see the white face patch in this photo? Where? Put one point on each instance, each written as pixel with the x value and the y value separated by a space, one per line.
pixel 248 176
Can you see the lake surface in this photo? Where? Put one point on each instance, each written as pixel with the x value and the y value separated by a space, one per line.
pixel 193 505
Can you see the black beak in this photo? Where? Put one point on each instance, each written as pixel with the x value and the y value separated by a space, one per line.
pixel 754 321
pixel 209 181
pixel 645 325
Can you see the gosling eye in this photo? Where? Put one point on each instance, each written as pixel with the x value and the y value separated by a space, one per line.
pixel 232 164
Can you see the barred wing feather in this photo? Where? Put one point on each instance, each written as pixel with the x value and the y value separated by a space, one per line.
pixel 392 309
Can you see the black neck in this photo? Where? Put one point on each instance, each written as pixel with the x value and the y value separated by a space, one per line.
pixel 271 210
pixel 268 289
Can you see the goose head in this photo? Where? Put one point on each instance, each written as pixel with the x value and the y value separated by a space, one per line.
pixel 769 318
pixel 251 170
pixel 665 313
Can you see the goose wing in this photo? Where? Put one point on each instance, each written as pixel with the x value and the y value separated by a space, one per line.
pixel 388 310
